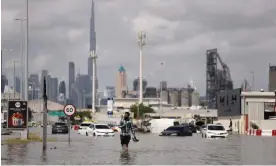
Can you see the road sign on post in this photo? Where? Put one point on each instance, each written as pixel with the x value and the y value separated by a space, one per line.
pixel 69 110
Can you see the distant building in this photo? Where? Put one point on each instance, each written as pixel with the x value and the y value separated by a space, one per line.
pixel 4 82
pixel 136 84
pixel 150 92
pixel 34 80
pixel 62 88
pixel 121 83
pixel 54 89
pixel 163 85
pixel 71 77
pixel 272 78
pixel 109 92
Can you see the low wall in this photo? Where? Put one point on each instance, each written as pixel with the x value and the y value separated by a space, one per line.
pixel 265 124
pixel 237 123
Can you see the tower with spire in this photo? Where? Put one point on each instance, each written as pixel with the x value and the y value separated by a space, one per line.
pixel 92 46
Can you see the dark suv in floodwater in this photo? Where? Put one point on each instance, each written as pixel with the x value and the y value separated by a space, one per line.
pixel 181 130
pixel 60 127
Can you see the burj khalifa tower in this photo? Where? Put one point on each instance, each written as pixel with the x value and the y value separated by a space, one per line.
pixel 92 47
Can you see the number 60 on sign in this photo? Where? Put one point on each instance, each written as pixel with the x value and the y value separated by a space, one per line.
pixel 69 110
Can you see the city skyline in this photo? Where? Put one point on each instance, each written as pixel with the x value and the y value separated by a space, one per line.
pixel 178 38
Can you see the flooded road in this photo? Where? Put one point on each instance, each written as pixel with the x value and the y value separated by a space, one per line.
pixel 151 149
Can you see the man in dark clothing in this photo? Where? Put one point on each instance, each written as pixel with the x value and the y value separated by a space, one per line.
pixel 126 130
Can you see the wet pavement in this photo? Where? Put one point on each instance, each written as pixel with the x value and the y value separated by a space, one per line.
pixel 151 149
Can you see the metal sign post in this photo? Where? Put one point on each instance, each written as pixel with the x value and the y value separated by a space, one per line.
pixel 69 110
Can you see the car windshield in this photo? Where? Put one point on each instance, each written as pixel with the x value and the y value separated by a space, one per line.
pixel 60 124
pixel 85 124
pixel 101 127
pixel 216 128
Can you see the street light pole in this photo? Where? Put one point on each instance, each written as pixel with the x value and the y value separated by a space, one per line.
pixel 22 56
pixel 94 56
pixel 26 63
pixel 14 78
pixel 161 91
pixel 141 44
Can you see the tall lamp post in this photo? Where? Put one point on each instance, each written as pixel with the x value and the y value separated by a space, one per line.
pixel 14 78
pixel 141 44
pixel 22 55
pixel 161 91
pixel 94 56
pixel 26 63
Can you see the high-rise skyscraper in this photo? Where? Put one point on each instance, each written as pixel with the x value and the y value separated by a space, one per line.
pixel 272 78
pixel 121 83
pixel 71 77
pixel 92 47
pixel 34 80
pixel 4 82
pixel 62 93
pixel 54 89
pixel 62 88
pixel 136 84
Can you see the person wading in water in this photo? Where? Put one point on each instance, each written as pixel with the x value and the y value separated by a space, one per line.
pixel 126 131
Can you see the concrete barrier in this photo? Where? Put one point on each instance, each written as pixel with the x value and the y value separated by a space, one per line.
pixel 260 132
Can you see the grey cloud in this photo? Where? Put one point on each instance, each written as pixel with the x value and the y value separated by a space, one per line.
pixel 178 34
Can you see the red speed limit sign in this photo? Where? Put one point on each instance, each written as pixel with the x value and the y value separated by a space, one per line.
pixel 69 110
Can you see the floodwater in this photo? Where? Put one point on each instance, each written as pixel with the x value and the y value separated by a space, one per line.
pixel 151 149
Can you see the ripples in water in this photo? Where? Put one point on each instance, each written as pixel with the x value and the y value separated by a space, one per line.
pixel 151 149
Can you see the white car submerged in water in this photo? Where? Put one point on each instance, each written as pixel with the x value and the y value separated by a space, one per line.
pixel 99 130
pixel 214 131
pixel 83 126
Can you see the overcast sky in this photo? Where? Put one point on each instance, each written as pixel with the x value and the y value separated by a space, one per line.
pixel 178 34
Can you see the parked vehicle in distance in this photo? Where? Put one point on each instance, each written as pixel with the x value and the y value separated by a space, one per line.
pixel 181 130
pixel 115 128
pixel 99 130
pixel 214 131
pixel 60 127
pixel 83 126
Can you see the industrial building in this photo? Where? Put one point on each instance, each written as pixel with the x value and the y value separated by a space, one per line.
pixel 246 109
pixel 216 79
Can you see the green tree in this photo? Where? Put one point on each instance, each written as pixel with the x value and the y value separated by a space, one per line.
pixel 82 115
pixel 142 110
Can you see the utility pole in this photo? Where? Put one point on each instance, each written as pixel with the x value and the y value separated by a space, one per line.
pixel 45 111
pixel 14 78
pixel 26 63
pixel 22 56
pixel 161 91
pixel 94 56
pixel 141 44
